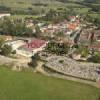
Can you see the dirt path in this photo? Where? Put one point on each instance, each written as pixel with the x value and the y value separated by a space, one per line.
pixel 8 61
pixel 39 68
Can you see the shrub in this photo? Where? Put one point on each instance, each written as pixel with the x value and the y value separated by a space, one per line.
pixel 61 61
pixel 14 52
pixel 6 50
pixel 95 58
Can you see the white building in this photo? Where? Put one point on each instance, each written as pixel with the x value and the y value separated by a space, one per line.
pixel 5 15
pixel 27 49
pixel 15 44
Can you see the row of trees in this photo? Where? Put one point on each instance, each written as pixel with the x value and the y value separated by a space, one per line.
pixel 15 27
pixel 28 11
pixel 56 15
pixel 93 19
pixel 18 27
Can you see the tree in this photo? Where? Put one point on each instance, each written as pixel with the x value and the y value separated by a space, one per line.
pixel 15 27
pixel 92 37
pixel 38 31
pixel 34 61
pixel 6 26
pixel 57 48
pixel 1 43
pixel 83 51
pixel 6 50
pixel 95 58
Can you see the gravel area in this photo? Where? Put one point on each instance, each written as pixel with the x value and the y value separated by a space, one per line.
pixel 73 68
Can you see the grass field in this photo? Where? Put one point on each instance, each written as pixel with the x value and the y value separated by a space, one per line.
pixel 24 16
pixel 25 4
pixel 32 86
pixel 95 15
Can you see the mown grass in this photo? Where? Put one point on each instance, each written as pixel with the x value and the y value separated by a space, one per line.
pixel 25 4
pixel 33 86
pixel 24 16
pixel 82 10
pixel 95 15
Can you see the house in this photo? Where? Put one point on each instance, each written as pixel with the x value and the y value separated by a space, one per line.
pixel 72 18
pixel 4 15
pixel 71 26
pixel 97 35
pixel 95 47
pixel 15 44
pixel 32 47
pixel 6 37
pixel 27 47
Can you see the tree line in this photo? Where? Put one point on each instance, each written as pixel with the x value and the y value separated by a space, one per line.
pixel 14 27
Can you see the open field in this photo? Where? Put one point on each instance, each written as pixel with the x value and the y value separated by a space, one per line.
pixel 24 8
pixel 94 15
pixel 33 86
pixel 24 16
pixel 25 5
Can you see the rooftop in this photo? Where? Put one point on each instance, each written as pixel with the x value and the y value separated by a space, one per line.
pixel 33 44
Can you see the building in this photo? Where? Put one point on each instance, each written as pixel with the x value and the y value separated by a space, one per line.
pixel 27 47
pixel 15 44
pixel 4 15
pixel 6 38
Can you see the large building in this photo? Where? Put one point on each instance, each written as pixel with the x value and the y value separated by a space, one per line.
pixel 27 47
pixel 4 15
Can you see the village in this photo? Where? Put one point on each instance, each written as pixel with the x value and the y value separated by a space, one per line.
pixel 49 49
pixel 68 47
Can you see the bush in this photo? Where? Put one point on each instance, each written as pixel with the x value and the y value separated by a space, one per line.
pixel 83 51
pixel 95 58
pixel 14 52
pixel 61 61
pixel 34 61
pixel 1 43
pixel 6 50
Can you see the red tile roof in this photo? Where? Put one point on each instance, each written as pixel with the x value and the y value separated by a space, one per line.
pixel 33 44
pixel 72 26
pixel 95 46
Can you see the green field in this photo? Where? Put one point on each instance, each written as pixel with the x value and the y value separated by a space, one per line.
pixel 28 8
pixel 31 86
pixel 26 4
pixel 24 16
pixel 94 15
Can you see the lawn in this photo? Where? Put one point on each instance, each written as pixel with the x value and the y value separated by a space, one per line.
pixel 24 16
pixel 82 10
pixel 31 86
pixel 94 15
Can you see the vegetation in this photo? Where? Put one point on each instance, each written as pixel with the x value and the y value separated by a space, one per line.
pixel 57 48
pixel 53 9
pixel 56 15
pixel 6 50
pixel 38 31
pixel 33 86
pixel 95 58
pixel 15 27
pixel 1 43
pixel 83 51
pixel 34 61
